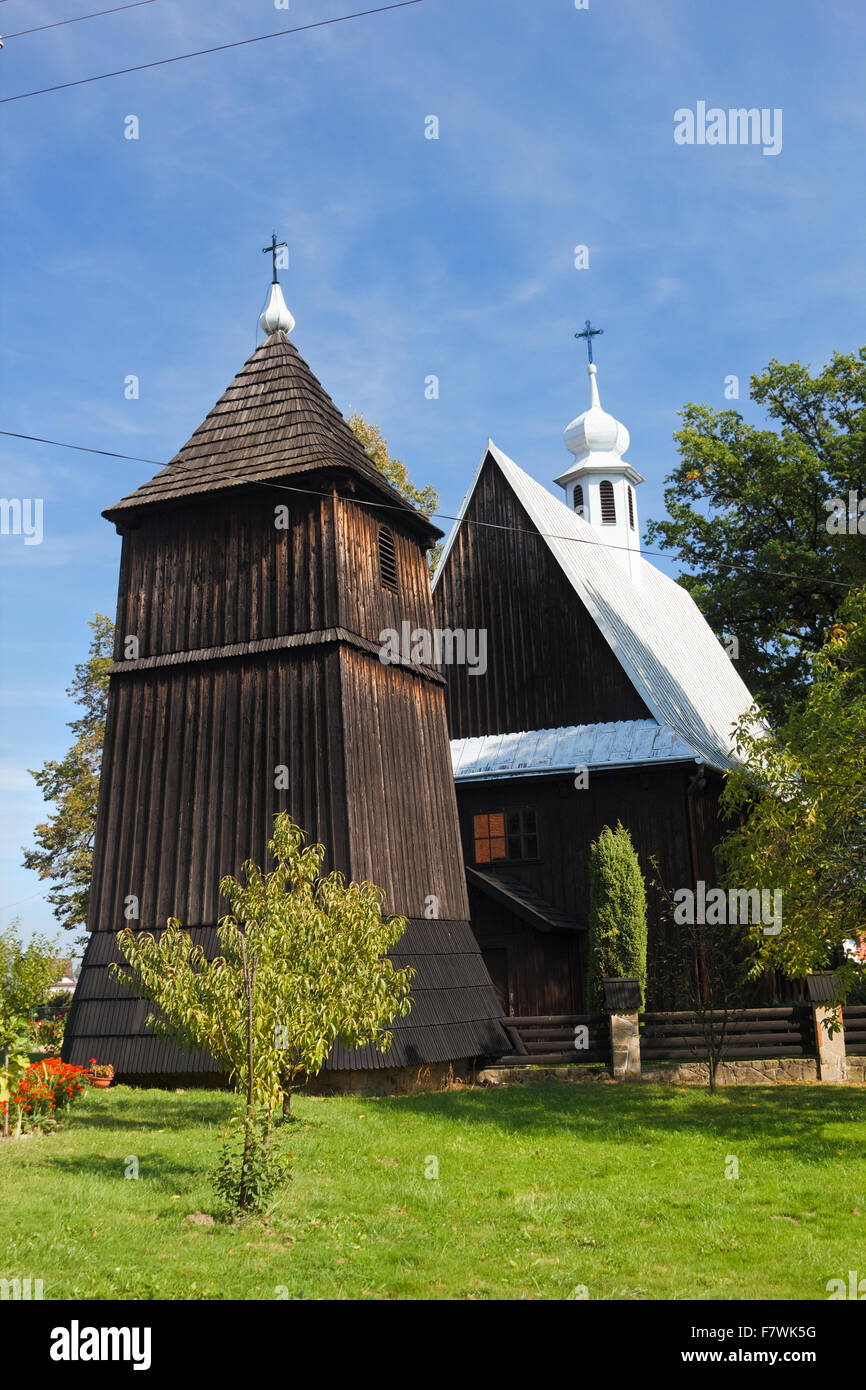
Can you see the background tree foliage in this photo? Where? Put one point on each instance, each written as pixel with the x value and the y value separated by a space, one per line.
pixel 801 797
pixel 64 842
pixel 426 499
pixel 617 914
pixel 744 501
pixel 27 971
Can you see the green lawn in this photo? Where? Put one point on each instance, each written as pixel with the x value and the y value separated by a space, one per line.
pixel 541 1188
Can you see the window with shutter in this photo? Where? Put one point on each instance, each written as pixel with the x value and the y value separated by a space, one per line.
pixel 578 500
pixel 631 508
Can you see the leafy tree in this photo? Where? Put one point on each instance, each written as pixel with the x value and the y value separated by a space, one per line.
pixel 301 965
pixel 27 971
pixel 801 800
pixel 426 499
pixel 64 843
pixel 748 516
pixel 710 969
pixel 617 913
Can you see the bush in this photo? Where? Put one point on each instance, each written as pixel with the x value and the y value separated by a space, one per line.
pixel 617 914
pixel 47 1033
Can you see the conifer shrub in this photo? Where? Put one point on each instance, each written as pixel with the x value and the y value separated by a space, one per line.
pixel 617 914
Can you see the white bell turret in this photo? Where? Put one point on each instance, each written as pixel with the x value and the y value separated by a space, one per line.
pixel 600 484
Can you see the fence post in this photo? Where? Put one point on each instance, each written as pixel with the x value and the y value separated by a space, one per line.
pixel 830 1051
pixel 622 1003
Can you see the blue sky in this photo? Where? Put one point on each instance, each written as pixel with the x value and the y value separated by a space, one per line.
pixel 409 256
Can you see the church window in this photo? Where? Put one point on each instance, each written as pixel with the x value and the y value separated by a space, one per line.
pixel 505 835
pixel 608 503
pixel 387 560
pixel 578 500
pixel 631 508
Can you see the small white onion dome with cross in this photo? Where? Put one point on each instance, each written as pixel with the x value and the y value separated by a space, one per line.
pixel 594 431
pixel 275 317
pixel 600 484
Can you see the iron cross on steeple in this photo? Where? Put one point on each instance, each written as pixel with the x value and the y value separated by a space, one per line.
pixel 274 247
pixel 589 333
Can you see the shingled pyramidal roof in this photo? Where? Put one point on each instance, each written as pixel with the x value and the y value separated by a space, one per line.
pixel 275 419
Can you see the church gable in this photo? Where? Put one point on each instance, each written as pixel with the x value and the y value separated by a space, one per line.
pixel 547 665
pixel 667 651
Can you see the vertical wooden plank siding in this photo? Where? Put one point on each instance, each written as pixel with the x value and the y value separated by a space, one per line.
pixel 548 665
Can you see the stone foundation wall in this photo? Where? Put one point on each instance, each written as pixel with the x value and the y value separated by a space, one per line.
pixel 766 1072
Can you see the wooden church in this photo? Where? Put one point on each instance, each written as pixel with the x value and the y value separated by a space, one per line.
pixel 606 697
pixel 258 569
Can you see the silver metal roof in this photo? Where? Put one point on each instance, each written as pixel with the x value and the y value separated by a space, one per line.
pixel 540 752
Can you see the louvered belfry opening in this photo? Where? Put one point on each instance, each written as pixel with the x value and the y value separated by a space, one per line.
pixel 608 503
pixel 578 500
pixel 631 508
pixel 388 561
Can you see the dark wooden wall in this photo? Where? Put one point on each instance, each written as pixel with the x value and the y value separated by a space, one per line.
pixel 651 803
pixel 548 666
pixel 534 972
pixel 188 789
pixel 214 573
pixel 258 648
pixel 403 828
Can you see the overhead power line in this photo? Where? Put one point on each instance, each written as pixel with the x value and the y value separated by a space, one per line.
pixel 446 516
pixel 218 48
pixel 134 5
pixel 81 448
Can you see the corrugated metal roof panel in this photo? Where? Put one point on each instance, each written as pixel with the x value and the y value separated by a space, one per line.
pixel 540 752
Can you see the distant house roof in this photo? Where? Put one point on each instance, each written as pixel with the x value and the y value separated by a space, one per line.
pixel 274 420
pixel 654 628
pixel 545 752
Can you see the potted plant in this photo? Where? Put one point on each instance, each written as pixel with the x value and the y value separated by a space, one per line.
pixel 100 1076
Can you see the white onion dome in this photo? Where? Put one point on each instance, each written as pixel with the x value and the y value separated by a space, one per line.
pixel 596 432
pixel 276 316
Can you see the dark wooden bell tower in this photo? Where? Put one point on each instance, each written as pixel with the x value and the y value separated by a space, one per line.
pixel 258 569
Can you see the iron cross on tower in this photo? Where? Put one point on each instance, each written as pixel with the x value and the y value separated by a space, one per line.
pixel 589 333
pixel 274 247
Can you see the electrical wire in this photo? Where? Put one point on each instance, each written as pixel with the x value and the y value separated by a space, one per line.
pixel 77 19
pixel 81 448
pixel 218 48
pixel 447 516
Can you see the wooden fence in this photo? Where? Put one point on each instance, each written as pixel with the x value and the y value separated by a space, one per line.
pixel 555 1038
pixel 854 1022
pixel 749 1033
